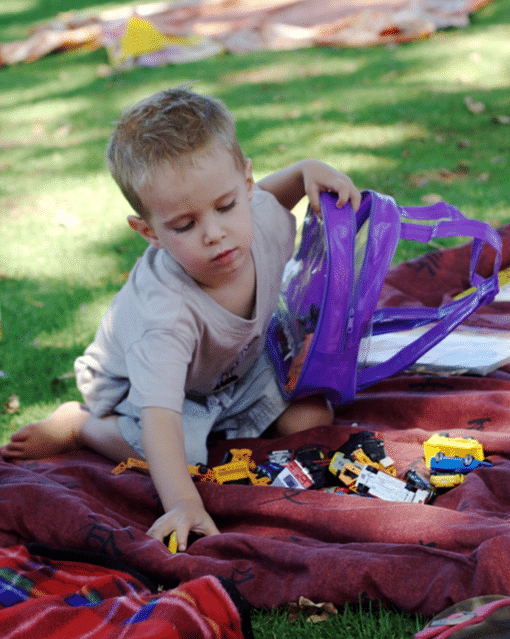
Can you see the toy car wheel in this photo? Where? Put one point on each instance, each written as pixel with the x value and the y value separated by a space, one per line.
pixel 439 456
pixel 468 460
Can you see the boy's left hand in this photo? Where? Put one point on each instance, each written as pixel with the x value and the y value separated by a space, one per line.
pixel 319 177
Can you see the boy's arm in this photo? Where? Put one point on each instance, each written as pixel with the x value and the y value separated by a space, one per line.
pixel 163 443
pixel 311 178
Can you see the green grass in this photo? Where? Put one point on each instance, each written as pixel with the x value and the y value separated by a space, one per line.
pixel 350 622
pixel 394 119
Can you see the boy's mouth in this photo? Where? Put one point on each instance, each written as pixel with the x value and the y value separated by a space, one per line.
pixel 224 257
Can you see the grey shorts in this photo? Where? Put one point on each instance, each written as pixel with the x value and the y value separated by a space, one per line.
pixel 244 409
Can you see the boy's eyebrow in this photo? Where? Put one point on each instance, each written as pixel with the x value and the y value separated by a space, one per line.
pixel 227 195
pixel 177 216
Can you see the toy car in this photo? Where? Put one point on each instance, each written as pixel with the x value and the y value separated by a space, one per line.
pixel 446 481
pixel 413 478
pixel 377 483
pixel 452 447
pixel 385 463
pixel 294 475
pixel 369 444
pixel 440 463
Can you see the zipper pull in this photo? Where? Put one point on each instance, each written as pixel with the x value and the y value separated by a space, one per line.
pixel 350 321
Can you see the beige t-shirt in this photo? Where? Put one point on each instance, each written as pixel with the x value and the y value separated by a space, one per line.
pixel 163 336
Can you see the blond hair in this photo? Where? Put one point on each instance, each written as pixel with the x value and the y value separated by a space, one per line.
pixel 169 126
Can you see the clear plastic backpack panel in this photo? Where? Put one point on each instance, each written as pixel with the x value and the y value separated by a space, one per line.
pixel 301 297
pixel 360 249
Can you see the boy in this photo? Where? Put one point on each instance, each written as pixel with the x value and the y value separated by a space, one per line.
pixel 180 352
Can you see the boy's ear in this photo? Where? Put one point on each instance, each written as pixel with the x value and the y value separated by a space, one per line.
pixel 142 227
pixel 248 172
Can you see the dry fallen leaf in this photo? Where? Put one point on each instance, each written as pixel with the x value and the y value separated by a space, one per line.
pixel 473 106
pixel 501 119
pixel 12 405
pixel 313 612
pixel 431 198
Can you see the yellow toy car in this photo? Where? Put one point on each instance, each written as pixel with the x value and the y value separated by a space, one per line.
pixel 452 447
pixel 446 481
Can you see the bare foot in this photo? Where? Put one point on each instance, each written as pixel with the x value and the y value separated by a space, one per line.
pixel 58 433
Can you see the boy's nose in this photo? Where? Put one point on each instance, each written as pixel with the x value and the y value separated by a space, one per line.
pixel 213 230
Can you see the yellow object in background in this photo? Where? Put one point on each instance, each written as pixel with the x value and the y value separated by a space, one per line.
pixel 503 278
pixel 141 37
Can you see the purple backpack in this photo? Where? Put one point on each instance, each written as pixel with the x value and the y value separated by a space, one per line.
pixel 319 335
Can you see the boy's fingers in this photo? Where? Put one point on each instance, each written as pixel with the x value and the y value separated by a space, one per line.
pixel 353 196
pixel 315 204
pixel 206 527
pixel 182 532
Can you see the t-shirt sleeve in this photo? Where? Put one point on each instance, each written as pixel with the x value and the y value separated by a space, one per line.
pixel 157 366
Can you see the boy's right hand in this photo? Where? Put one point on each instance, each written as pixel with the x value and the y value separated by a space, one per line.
pixel 187 515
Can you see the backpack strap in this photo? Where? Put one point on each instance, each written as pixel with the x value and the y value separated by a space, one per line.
pixel 423 224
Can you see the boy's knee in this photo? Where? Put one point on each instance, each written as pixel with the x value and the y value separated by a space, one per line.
pixel 304 414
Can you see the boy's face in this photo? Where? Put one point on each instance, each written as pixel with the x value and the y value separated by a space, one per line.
pixel 200 213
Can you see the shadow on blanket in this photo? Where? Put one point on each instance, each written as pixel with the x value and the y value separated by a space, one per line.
pixel 278 544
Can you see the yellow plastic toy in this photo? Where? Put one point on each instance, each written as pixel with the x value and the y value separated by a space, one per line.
pixel 446 481
pixel 452 447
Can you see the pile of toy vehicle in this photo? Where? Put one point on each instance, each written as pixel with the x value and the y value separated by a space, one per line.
pixel 359 467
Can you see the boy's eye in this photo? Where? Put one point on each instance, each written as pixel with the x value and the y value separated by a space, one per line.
pixel 183 227
pixel 227 207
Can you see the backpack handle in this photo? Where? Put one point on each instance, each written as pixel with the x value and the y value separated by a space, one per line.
pixel 447 221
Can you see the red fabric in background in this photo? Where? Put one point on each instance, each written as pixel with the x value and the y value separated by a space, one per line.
pixel 279 544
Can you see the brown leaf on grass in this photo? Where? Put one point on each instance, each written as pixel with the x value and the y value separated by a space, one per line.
pixel 501 119
pixel 12 405
pixel 473 106
pixel 442 175
pixel 431 198
pixel 313 612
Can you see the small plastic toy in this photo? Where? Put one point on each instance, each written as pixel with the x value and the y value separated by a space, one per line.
pixel 369 444
pixel 414 478
pixel 385 464
pixel 452 447
pixel 376 483
pixel 171 541
pixel 130 463
pixel 349 474
pixel 280 456
pixel 442 464
pixel 294 475
pixel 337 463
pixel 270 469
pixel 446 481
pixel 239 468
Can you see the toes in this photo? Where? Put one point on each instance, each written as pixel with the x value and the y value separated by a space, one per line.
pixel 20 436
pixel 8 452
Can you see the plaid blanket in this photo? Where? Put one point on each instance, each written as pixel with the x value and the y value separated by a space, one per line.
pixel 55 595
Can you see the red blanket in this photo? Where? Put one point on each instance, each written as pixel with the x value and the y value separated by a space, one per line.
pixel 65 598
pixel 278 544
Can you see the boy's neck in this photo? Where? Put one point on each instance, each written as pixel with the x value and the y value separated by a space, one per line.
pixel 239 295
